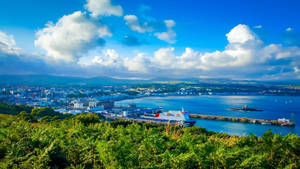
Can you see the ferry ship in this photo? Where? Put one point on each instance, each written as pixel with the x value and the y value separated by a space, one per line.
pixel 171 116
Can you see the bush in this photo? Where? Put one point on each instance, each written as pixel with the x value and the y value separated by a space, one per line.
pixel 87 118
pixel 84 142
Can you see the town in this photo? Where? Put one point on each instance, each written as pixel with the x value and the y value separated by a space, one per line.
pixel 101 99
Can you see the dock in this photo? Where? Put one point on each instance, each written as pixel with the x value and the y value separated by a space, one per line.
pixel 131 119
pixel 243 120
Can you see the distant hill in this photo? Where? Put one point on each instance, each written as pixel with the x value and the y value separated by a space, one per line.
pixel 94 81
pixel 62 80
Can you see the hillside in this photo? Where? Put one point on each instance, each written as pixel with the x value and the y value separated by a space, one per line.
pixel 82 142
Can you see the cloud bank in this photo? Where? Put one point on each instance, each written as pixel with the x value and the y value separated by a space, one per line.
pixel 245 56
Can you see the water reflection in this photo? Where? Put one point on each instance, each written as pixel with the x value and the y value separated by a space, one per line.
pixel 274 107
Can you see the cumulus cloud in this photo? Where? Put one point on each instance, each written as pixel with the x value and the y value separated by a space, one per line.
pixel 109 58
pixel 71 36
pixel 133 23
pixel 164 57
pixel 240 34
pixel 168 36
pixel 8 44
pixel 103 8
pixel 245 56
pixel 139 63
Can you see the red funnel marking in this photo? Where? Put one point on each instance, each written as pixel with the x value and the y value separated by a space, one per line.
pixel 157 115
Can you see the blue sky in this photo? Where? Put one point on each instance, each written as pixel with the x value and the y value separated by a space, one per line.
pixel 136 38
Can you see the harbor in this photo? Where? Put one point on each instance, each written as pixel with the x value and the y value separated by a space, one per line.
pixel 280 122
pixel 274 108
pixel 180 118
pixel 132 112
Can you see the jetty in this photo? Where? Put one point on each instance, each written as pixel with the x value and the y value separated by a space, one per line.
pixel 244 120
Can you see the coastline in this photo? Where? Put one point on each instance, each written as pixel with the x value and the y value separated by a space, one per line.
pixel 188 96
pixel 275 107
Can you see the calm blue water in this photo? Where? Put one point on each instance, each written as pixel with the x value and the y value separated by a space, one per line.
pixel 274 107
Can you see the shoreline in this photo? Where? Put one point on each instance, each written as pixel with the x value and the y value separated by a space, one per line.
pixel 161 97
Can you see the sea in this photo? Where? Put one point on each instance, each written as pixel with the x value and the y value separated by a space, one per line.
pixel 274 107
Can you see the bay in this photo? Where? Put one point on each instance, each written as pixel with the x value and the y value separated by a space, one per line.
pixel 274 107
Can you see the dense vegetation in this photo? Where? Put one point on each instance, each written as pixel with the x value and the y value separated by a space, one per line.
pixel 83 141
pixel 12 109
pixel 31 114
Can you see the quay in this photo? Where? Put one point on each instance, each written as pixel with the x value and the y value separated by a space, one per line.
pixel 138 120
pixel 243 120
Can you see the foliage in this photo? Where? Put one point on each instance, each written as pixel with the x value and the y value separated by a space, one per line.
pixel 13 110
pixel 87 118
pixel 23 115
pixel 31 114
pixel 84 142
pixel 39 113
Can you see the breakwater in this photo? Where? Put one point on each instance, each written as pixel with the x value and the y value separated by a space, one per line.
pixel 243 120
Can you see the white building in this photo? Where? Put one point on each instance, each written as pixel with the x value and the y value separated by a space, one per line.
pixel 125 113
pixel 78 105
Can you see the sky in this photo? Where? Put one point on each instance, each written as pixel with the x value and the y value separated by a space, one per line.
pixel 250 39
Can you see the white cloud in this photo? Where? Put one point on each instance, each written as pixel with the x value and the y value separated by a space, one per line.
pixel 279 52
pixel 8 44
pixel 168 36
pixel 258 26
pixel 169 23
pixel 139 63
pixel 240 34
pixel 109 58
pixel 289 29
pixel 133 24
pixel 70 37
pixel 103 8
pixel 164 57
pixel 244 56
